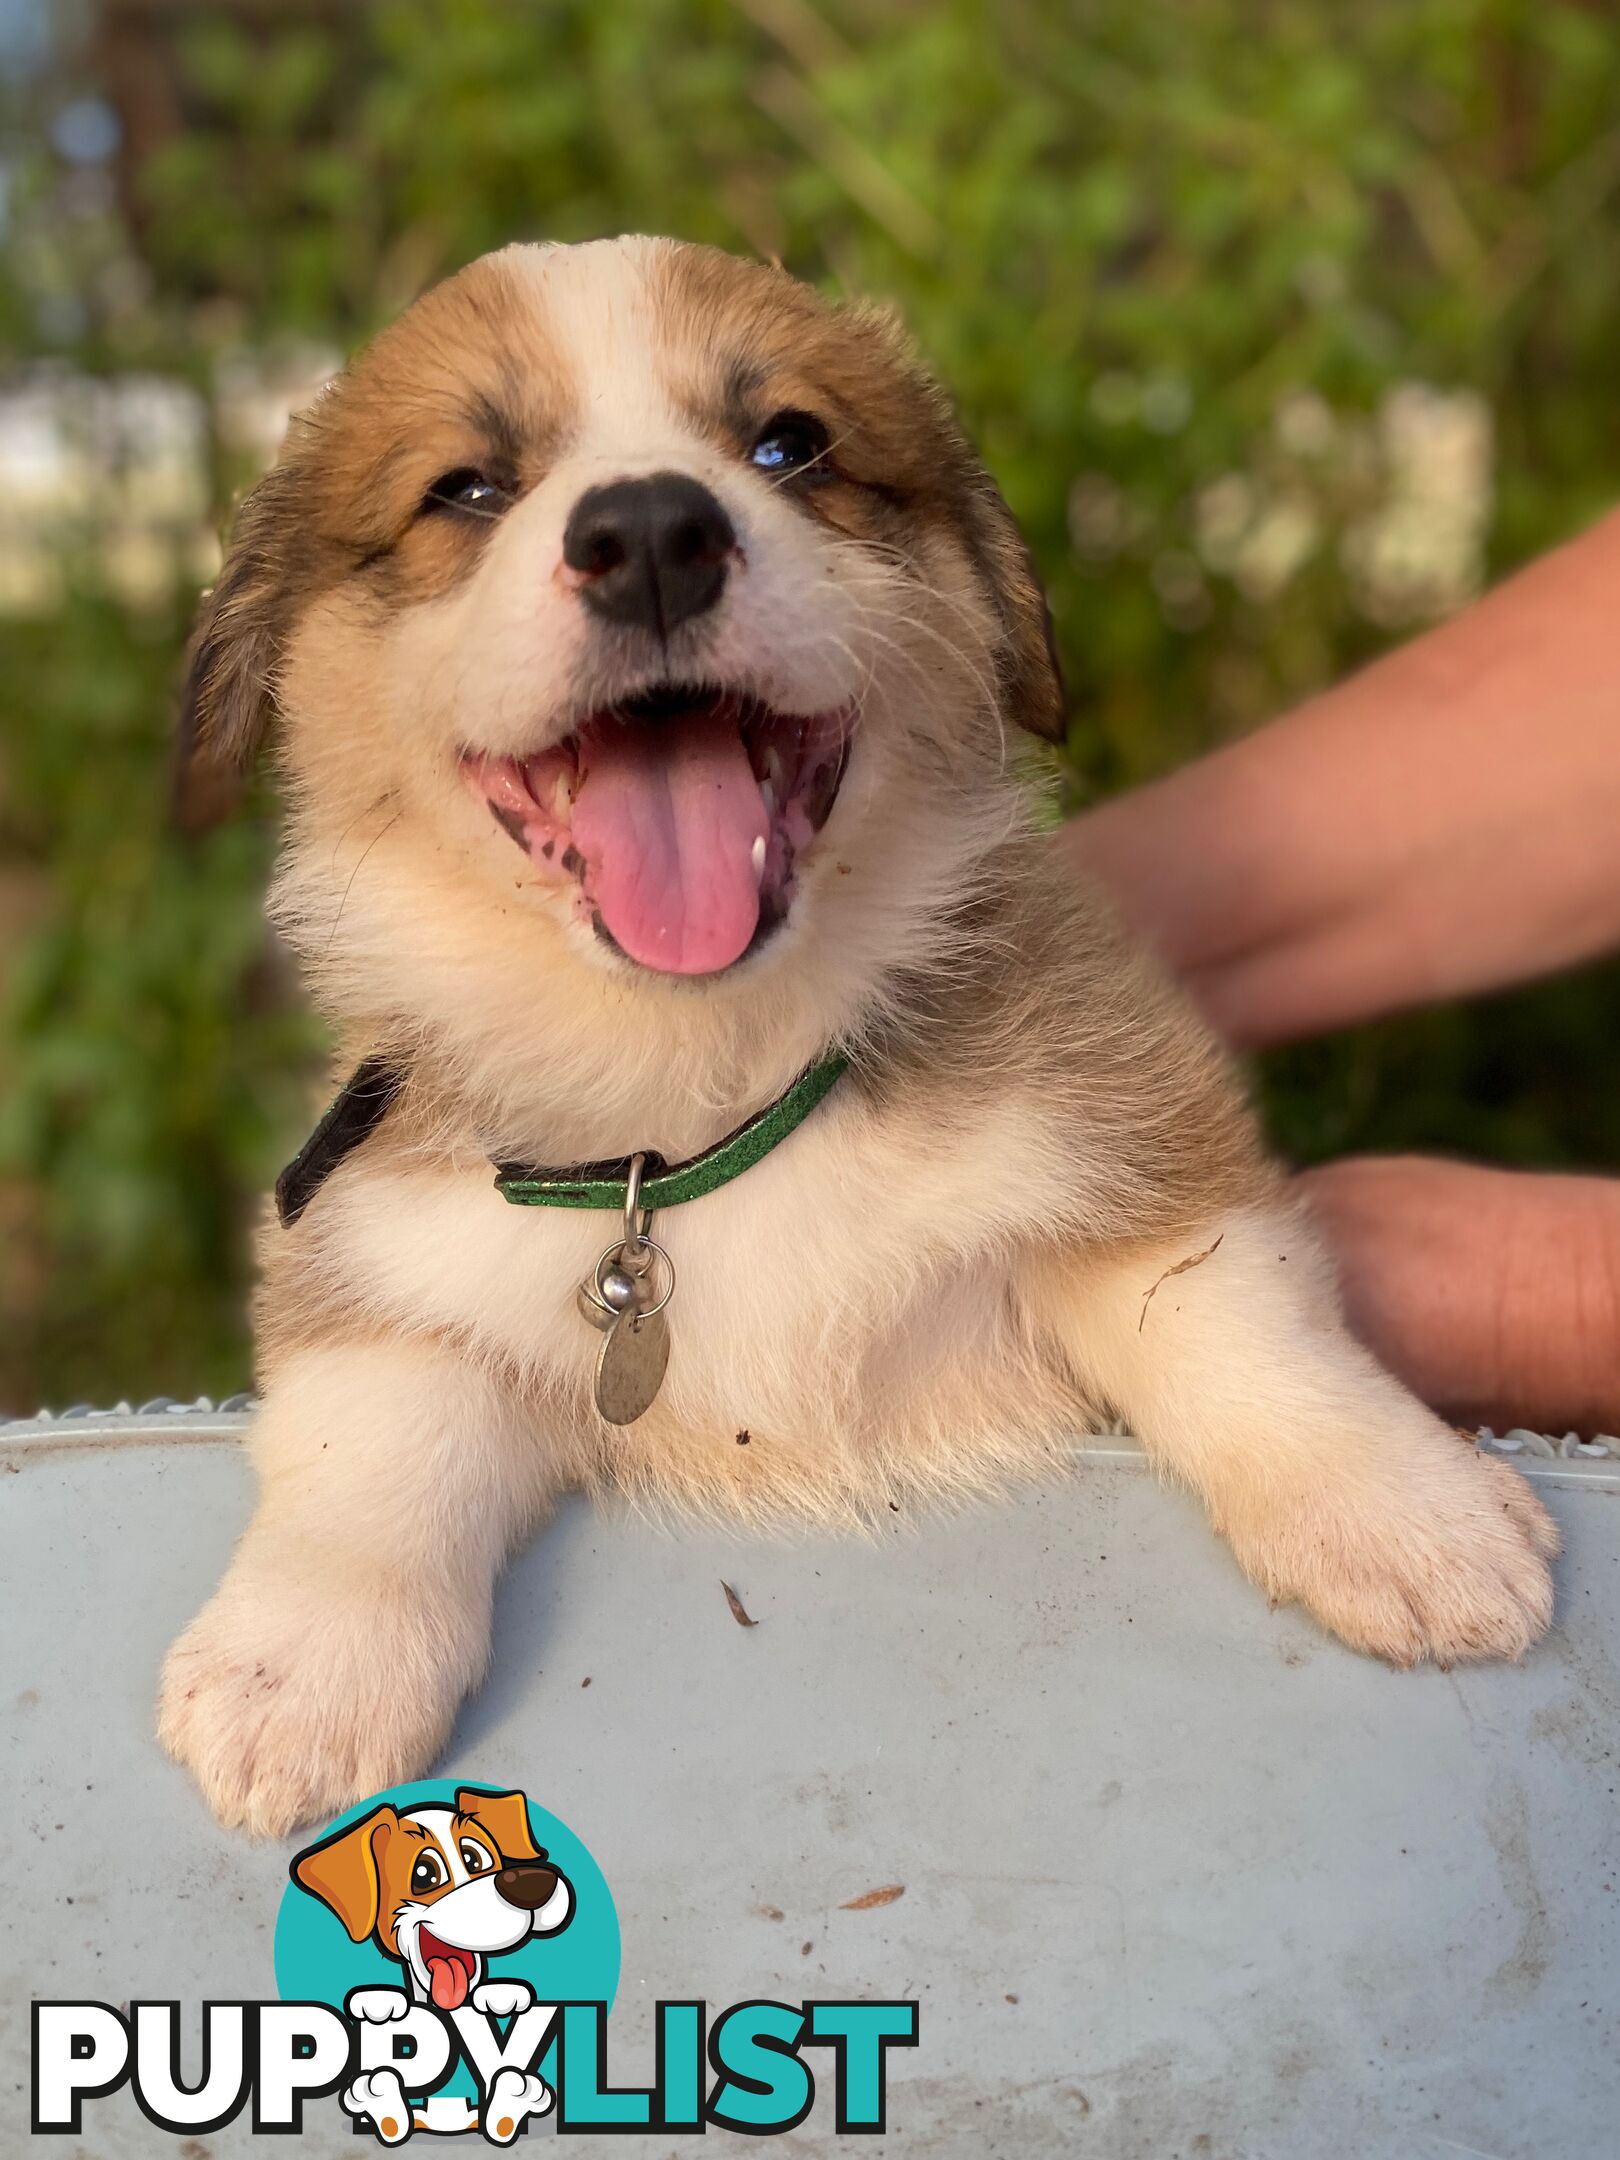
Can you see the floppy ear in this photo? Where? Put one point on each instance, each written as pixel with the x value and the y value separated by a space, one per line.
pixel 505 1815
pixel 229 684
pixel 344 1872
pixel 1026 661
pixel 1027 665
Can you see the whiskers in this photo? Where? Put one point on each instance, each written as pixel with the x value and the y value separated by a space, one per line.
pixel 890 613
pixel 381 834
pixel 798 471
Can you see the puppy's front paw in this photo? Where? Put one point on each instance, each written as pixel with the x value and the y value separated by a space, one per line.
pixel 379 2098
pixel 513 2099
pixel 287 1708
pixel 1438 1552
pixel 502 1998
pixel 378 2005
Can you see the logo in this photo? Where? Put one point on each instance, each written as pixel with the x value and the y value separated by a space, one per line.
pixel 432 1915
pixel 447 1957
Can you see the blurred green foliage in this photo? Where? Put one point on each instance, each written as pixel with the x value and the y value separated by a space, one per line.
pixel 1132 234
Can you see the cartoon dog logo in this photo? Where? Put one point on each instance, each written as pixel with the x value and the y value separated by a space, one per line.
pixel 441 1890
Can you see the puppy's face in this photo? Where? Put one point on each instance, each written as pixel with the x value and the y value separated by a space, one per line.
pixel 441 1889
pixel 630 600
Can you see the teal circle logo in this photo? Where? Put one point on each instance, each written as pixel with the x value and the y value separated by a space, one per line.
pixel 515 1893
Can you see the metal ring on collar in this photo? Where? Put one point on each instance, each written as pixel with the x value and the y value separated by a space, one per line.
pixel 612 1254
pixel 636 1223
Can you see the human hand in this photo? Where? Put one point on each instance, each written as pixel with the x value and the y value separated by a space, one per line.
pixel 1441 824
pixel 1494 1294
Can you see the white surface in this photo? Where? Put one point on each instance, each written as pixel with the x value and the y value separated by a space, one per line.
pixel 1254 1896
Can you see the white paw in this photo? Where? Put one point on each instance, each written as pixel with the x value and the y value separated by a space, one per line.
pixel 502 1998
pixel 1444 1556
pixel 513 2099
pixel 284 1713
pixel 378 2006
pixel 381 2097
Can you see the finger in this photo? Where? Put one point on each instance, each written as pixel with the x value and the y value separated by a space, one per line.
pixel 1495 1294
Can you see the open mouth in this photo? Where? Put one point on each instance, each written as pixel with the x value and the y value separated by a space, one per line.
pixel 682 813
pixel 451 1970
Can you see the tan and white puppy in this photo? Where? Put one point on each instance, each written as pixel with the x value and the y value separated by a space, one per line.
pixel 441 1889
pixel 646 646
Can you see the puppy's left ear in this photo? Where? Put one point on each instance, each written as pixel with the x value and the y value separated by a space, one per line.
pixel 1027 667
pixel 344 1871
pixel 505 1815
pixel 228 694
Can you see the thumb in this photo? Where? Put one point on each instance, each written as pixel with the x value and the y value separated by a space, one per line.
pixel 1494 1294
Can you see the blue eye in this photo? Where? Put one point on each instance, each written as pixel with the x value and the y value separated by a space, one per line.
pixel 465 489
pixel 788 442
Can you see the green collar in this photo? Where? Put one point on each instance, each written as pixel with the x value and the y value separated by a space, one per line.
pixel 605 1184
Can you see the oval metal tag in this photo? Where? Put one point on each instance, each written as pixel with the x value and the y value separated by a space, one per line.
pixel 630 1369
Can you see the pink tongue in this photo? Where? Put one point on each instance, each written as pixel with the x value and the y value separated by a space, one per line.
pixel 449 1978
pixel 667 819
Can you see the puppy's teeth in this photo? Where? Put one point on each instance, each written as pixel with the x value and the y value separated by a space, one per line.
pixel 757 857
pixel 562 797
pixel 768 795
pixel 773 769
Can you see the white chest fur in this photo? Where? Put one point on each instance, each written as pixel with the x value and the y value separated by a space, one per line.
pixel 848 1296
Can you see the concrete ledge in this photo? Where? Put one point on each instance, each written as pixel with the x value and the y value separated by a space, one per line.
pixel 1568 1456
pixel 1181 1876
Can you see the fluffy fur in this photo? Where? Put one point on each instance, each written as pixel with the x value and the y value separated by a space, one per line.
pixel 948 1264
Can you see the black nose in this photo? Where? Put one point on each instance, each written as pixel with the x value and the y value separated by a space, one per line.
pixel 652 552
pixel 526 1884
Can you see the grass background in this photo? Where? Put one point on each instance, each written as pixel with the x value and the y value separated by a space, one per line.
pixel 1282 323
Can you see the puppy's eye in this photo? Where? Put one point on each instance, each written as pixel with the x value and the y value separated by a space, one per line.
pixel 465 489
pixel 427 1874
pixel 473 1857
pixel 788 442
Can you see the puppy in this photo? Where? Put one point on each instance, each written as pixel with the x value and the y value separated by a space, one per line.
pixel 646 650
pixel 441 1890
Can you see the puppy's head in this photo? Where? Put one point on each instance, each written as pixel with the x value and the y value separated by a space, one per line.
pixel 441 1889
pixel 625 607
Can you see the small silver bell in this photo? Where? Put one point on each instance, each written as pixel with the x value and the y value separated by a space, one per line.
pixel 619 1289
